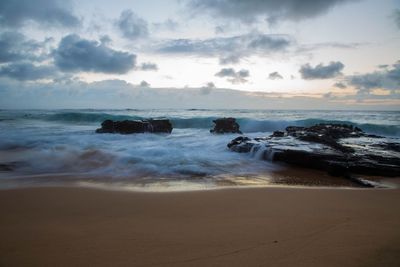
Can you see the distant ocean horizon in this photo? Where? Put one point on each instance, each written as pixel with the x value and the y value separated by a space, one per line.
pixel 50 147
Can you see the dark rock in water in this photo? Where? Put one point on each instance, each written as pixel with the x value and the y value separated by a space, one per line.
pixel 10 166
pixel 278 134
pixel 389 146
pixel 240 144
pixel 226 125
pixel 136 126
pixel 6 167
pixel 292 130
pixel 340 150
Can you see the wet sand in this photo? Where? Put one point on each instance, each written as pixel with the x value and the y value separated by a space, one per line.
pixel 232 227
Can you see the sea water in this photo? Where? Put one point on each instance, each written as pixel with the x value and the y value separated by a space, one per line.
pixel 57 147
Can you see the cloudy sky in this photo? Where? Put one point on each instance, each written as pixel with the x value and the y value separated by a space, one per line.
pixel 286 54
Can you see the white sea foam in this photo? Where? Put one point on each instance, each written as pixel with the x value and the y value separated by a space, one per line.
pixel 55 142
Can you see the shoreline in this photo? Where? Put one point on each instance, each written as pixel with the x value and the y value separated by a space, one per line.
pixel 64 226
pixel 152 189
pixel 286 177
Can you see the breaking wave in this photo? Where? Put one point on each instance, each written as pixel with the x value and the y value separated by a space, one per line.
pixel 247 125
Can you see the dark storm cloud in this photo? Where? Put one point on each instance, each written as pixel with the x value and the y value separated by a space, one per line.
pixel 148 66
pixel 14 13
pixel 275 76
pixel 388 79
pixel 235 77
pixel 272 10
pixel 321 71
pixel 25 71
pixel 132 26
pixel 78 54
pixel 229 49
pixel 14 47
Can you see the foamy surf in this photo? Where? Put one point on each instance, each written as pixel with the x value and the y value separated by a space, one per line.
pixel 48 143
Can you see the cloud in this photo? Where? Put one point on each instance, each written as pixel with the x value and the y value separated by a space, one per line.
pixel 219 29
pixel 105 39
pixel 148 66
pixel 235 76
pixel 229 49
pixel 207 89
pixel 77 54
pixel 230 59
pixel 16 13
pixel 340 85
pixel 226 72
pixel 168 25
pixel 396 16
pixel 132 26
pixel 144 84
pixel 333 69
pixel 19 58
pixel 329 45
pixel 271 10
pixel 15 46
pixel 210 85
pixel 275 76
pixel 387 79
pixel 79 94
pixel 25 71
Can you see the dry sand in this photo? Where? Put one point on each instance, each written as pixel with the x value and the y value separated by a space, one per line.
pixel 235 227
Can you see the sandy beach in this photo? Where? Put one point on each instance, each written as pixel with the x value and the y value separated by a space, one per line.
pixel 230 227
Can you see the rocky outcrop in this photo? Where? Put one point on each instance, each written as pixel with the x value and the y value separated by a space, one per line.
pixel 226 125
pixel 136 126
pixel 341 150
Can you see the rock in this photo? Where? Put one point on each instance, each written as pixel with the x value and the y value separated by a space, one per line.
pixel 340 150
pixel 10 166
pixel 7 167
pixel 160 126
pixel 389 146
pixel 240 144
pixel 136 126
pixel 226 125
pixel 278 134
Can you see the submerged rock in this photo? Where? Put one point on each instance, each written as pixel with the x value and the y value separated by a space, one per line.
pixel 340 150
pixel 136 126
pixel 7 167
pixel 11 166
pixel 226 125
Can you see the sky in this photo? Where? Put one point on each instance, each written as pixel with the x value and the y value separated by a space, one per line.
pixel 261 54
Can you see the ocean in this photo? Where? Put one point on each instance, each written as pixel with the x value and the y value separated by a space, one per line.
pixel 60 147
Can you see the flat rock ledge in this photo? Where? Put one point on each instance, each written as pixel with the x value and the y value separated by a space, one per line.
pixel 339 149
